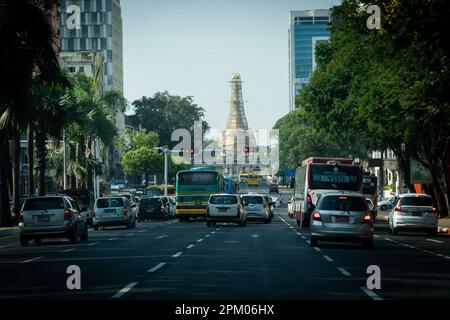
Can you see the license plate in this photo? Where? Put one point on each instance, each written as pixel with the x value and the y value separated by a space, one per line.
pixel 223 209
pixel 149 210
pixel 417 214
pixel 110 210
pixel 342 219
pixel 44 218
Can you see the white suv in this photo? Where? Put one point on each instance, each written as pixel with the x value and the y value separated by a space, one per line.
pixel 51 217
pixel 413 212
pixel 113 211
pixel 226 208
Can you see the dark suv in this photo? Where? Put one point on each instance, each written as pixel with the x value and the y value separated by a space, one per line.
pixel 273 188
pixel 152 208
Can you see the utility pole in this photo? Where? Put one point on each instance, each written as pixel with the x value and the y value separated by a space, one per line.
pixel 166 152
pixel 64 160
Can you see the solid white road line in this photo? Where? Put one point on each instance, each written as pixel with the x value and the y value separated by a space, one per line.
pixel 176 255
pixel 328 258
pixel 158 266
pixel 344 272
pixel 371 294
pixel 200 240
pixel 68 250
pixel 190 246
pixel 434 240
pixel 30 260
pixel 124 290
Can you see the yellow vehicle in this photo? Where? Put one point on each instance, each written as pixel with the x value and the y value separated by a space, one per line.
pixel 243 178
pixel 158 190
pixel 253 180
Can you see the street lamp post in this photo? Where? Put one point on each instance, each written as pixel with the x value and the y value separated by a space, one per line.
pixel 166 152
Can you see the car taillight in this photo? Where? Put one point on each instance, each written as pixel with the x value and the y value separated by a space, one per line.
pixel 434 210
pixel 367 217
pixel 93 212
pixel 125 211
pixel 316 216
pixel 67 215
pixel 398 207
pixel 21 215
pixel 308 200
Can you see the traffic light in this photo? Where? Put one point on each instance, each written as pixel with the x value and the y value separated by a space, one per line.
pixel 246 150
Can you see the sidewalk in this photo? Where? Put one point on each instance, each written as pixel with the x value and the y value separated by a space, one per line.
pixel 8 232
pixel 444 225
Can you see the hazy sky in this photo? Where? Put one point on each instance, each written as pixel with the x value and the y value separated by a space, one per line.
pixel 192 47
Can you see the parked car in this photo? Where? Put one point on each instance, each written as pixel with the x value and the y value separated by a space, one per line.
pixel 342 217
pixel 372 209
pixel 113 211
pixel 386 204
pixel 226 208
pixel 291 207
pixel 273 188
pixel 152 208
pixel 51 217
pixel 257 207
pixel 414 212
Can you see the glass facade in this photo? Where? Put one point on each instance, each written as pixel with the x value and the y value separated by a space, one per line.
pixel 307 28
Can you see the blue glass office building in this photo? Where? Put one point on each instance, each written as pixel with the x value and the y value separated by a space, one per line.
pixel 307 29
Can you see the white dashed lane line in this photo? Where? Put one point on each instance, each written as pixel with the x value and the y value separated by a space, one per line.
pixel 130 234
pixel 31 260
pixel 435 241
pixel 200 240
pixel 371 294
pixel 141 231
pixel 190 246
pixel 162 236
pixel 176 255
pixel 112 239
pixel 328 258
pixel 68 250
pixel 207 236
pixel 344 272
pixel 92 244
pixel 317 249
pixel 124 290
pixel 158 266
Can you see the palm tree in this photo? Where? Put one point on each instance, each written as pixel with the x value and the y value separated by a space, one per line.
pixel 27 46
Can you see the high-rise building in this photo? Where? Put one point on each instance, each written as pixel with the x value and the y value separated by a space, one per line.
pixel 306 29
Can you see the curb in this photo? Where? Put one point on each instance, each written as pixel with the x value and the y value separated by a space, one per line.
pixel 7 232
pixel 443 230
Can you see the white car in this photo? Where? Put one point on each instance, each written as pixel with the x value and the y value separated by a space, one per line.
pixel 277 202
pixel 226 208
pixel 413 212
pixel 113 211
pixel 386 204
pixel 257 207
pixel 291 207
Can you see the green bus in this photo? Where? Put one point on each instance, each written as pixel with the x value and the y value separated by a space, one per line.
pixel 193 188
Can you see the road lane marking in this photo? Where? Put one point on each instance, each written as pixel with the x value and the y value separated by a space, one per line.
pixel 112 239
pixel 190 246
pixel 328 258
pixel 176 255
pixel 434 240
pixel 376 236
pixel 200 240
pixel 217 229
pixel 68 250
pixel 206 236
pixel 317 249
pixel 130 234
pixel 1 247
pixel 124 290
pixel 92 244
pixel 158 266
pixel 299 233
pixel 303 237
pixel 141 231
pixel 344 272
pixel 161 237
pixel 387 239
pixel 371 294
pixel 30 260
pixel 213 232
pixel 254 236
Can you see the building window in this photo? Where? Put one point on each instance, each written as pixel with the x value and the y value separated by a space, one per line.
pixel 81 69
pixel 71 69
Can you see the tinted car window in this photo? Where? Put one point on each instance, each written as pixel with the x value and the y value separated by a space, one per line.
pixel 150 203
pixel 417 201
pixel 44 204
pixel 342 203
pixel 253 199
pixel 223 200
pixel 110 203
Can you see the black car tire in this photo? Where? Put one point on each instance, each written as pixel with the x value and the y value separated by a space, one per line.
pixel 23 241
pixel 85 236
pixel 73 236
pixel 432 232
pixel 368 244
pixel 96 228
pixel 266 221
pixel 395 231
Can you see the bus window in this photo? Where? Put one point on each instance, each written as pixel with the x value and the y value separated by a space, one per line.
pixel 325 176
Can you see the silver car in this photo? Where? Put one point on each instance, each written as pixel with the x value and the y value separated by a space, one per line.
pixel 257 207
pixel 113 211
pixel 51 217
pixel 414 212
pixel 226 208
pixel 342 217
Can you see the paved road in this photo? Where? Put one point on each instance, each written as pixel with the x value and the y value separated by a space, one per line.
pixel 172 260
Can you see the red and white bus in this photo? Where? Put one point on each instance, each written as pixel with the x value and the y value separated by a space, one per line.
pixel 319 175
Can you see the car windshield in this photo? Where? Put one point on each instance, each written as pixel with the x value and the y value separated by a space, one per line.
pixel 223 200
pixel 253 199
pixel 44 204
pixel 342 203
pixel 110 203
pixel 417 201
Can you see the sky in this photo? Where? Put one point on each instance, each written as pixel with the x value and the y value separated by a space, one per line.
pixel 192 48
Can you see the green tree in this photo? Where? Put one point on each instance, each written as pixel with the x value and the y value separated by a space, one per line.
pixel 142 139
pixel 142 161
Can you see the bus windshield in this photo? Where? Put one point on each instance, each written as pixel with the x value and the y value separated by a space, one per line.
pixel 197 178
pixel 369 185
pixel 344 177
